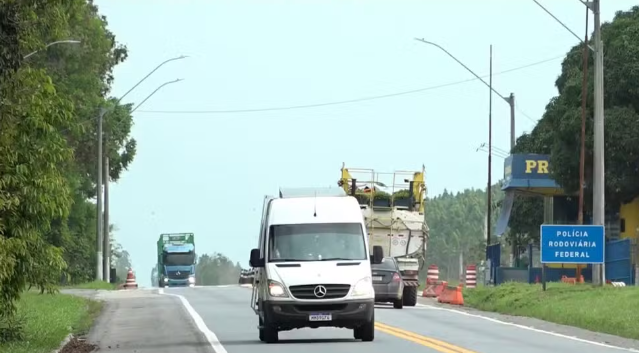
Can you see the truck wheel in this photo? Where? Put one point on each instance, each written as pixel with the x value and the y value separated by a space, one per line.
pixel 366 332
pixel 398 303
pixel 410 296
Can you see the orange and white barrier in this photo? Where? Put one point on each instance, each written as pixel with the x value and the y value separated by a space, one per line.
pixel 432 276
pixel 432 281
pixel 130 280
pixel 471 276
pixel 452 295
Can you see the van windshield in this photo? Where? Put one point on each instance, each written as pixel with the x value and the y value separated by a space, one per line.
pixel 317 242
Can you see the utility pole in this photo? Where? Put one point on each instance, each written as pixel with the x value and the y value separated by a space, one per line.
pixel 599 218
pixel 106 244
pixel 490 152
pixel 98 234
pixel 511 103
pixel 582 147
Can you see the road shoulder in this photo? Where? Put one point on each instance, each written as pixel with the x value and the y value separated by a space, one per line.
pixel 143 321
pixel 527 323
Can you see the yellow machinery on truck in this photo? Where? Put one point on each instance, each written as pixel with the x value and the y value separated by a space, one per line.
pixel 394 211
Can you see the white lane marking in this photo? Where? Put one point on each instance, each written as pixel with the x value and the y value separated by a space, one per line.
pixel 556 334
pixel 199 322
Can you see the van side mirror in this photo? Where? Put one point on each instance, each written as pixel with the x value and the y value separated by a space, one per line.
pixel 256 261
pixel 378 255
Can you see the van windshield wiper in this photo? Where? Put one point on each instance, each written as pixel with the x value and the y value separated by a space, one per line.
pixel 339 259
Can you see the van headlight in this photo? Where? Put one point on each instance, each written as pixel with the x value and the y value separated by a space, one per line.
pixel 276 289
pixel 192 280
pixel 166 279
pixel 363 288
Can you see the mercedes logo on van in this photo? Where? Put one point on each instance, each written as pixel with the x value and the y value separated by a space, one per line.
pixel 320 291
pixel 178 273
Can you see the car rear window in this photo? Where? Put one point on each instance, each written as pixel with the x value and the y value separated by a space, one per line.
pixel 387 264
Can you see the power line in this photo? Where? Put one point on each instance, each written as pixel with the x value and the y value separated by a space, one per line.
pixel 348 101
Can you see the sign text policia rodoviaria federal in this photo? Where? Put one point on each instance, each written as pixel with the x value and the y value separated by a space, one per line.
pixel 574 244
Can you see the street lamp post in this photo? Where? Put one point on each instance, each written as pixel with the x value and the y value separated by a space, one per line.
pixel 511 102
pixel 69 41
pixel 102 236
pixel 508 99
pixel 106 244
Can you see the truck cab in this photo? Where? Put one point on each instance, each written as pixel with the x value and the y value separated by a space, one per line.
pixel 176 261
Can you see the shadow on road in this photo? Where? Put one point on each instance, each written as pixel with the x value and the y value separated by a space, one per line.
pixel 285 341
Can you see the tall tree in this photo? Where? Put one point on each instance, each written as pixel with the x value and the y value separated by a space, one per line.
pixel 216 269
pixel 558 131
pixel 47 140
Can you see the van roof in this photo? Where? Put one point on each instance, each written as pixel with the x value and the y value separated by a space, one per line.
pixel 327 209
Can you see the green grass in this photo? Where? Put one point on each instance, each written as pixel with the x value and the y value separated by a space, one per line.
pixel 50 318
pixel 608 309
pixel 93 285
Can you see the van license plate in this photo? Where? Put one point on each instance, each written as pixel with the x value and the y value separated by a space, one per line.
pixel 320 317
pixel 377 278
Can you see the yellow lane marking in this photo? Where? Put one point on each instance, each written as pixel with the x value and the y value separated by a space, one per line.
pixel 435 344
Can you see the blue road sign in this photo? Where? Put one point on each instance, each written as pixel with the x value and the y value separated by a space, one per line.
pixel 572 244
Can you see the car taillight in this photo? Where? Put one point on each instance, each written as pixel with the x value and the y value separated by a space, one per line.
pixel 396 277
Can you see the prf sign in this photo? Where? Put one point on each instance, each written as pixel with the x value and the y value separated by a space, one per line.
pixel 536 166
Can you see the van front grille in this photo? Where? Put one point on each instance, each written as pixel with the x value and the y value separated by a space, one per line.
pixel 333 291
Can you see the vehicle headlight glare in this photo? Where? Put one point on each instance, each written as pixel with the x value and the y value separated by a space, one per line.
pixel 363 288
pixel 191 279
pixel 276 290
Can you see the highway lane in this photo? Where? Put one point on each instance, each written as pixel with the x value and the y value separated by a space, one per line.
pixel 226 312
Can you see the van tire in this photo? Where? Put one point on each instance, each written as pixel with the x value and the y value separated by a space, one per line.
pixel 261 329
pixel 271 335
pixel 410 296
pixel 366 332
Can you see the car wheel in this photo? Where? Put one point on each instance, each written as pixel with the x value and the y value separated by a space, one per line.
pixel 398 303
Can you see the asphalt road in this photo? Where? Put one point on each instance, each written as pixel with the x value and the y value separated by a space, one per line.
pixel 224 315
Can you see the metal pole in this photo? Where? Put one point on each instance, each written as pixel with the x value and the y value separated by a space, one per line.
pixel 106 244
pixel 70 41
pixel 582 151
pixel 490 151
pixel 98 235
pixel 511 102
pixel 598 277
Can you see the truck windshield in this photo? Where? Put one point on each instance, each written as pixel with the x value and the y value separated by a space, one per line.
pixel 317 242
pixel 179 259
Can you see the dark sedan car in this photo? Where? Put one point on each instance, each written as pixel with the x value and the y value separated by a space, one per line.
pixel 387 282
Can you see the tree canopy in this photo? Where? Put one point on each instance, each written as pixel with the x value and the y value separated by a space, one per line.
pixel 558 131
pixel 457 225
pixel 48 107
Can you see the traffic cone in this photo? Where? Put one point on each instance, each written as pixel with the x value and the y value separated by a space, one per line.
pixel 130 280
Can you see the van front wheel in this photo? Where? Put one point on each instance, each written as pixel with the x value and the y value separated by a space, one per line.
pixel 365 332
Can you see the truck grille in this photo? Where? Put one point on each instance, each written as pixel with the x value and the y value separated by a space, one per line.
pixel 333 291
pixel 181 275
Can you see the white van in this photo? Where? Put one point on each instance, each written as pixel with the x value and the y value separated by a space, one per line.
pixel 313 265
